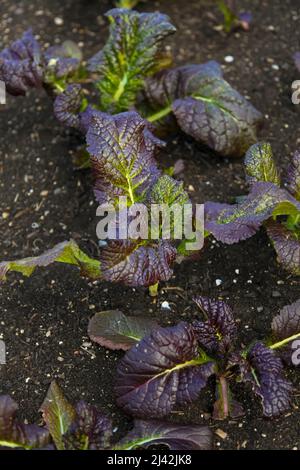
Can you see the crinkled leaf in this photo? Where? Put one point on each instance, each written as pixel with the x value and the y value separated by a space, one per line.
pixel 129 56
pixel 58 414
pixel 174 436
pixel 206 107
pixel 287 246
pixel 114 330
pixel 168 85
pixel 86 119
pixel 71 110
pixel 231 224
pixel 260 164
pixel 90 429
pixel 297 60
pixel 293 176
pixel 21 65
pixel 68 105
pixel 166 368
pixel 218 332
pixel 168 191
pixel 122 151
pixel 66 252
pixel 264 370
pixel 136 264
pixel 63 60
pixel 14 434
pixel 286 325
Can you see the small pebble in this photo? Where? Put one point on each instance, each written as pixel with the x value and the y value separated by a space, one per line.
pixel 218 282
pixel 165 305
pixel 276 294
pixel 229 59
pixel 58 21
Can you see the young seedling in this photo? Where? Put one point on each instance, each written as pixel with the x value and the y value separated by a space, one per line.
pixel 122 150
pixel 233 19
pixel 267 204
pixel 132 52
pixel 128 73
pixel 170 366
pixel 84 427
pixel 23 65
pixel 195 98
pixel 204 106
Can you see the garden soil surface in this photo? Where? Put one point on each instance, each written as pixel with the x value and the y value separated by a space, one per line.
pixel 43 200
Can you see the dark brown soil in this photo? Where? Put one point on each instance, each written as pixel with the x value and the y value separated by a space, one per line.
pixel 43 320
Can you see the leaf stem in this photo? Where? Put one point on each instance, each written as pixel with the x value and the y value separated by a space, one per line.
pixel 59 87
pixel 153 290
pixel 130 191
pixel 224 395
pixel 121 88
pixel 285 341
pixel 160 114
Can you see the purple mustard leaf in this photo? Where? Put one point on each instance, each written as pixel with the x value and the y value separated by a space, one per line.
pixel 166 368
pixel 218 333
pixel 21 65
pixel 264 370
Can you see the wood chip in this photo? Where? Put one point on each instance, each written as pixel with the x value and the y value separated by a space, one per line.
pixel 222 434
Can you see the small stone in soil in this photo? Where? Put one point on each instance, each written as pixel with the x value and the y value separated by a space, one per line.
pixel 58 21
pixel 276 294
pixel 165 305
pixel 229 59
